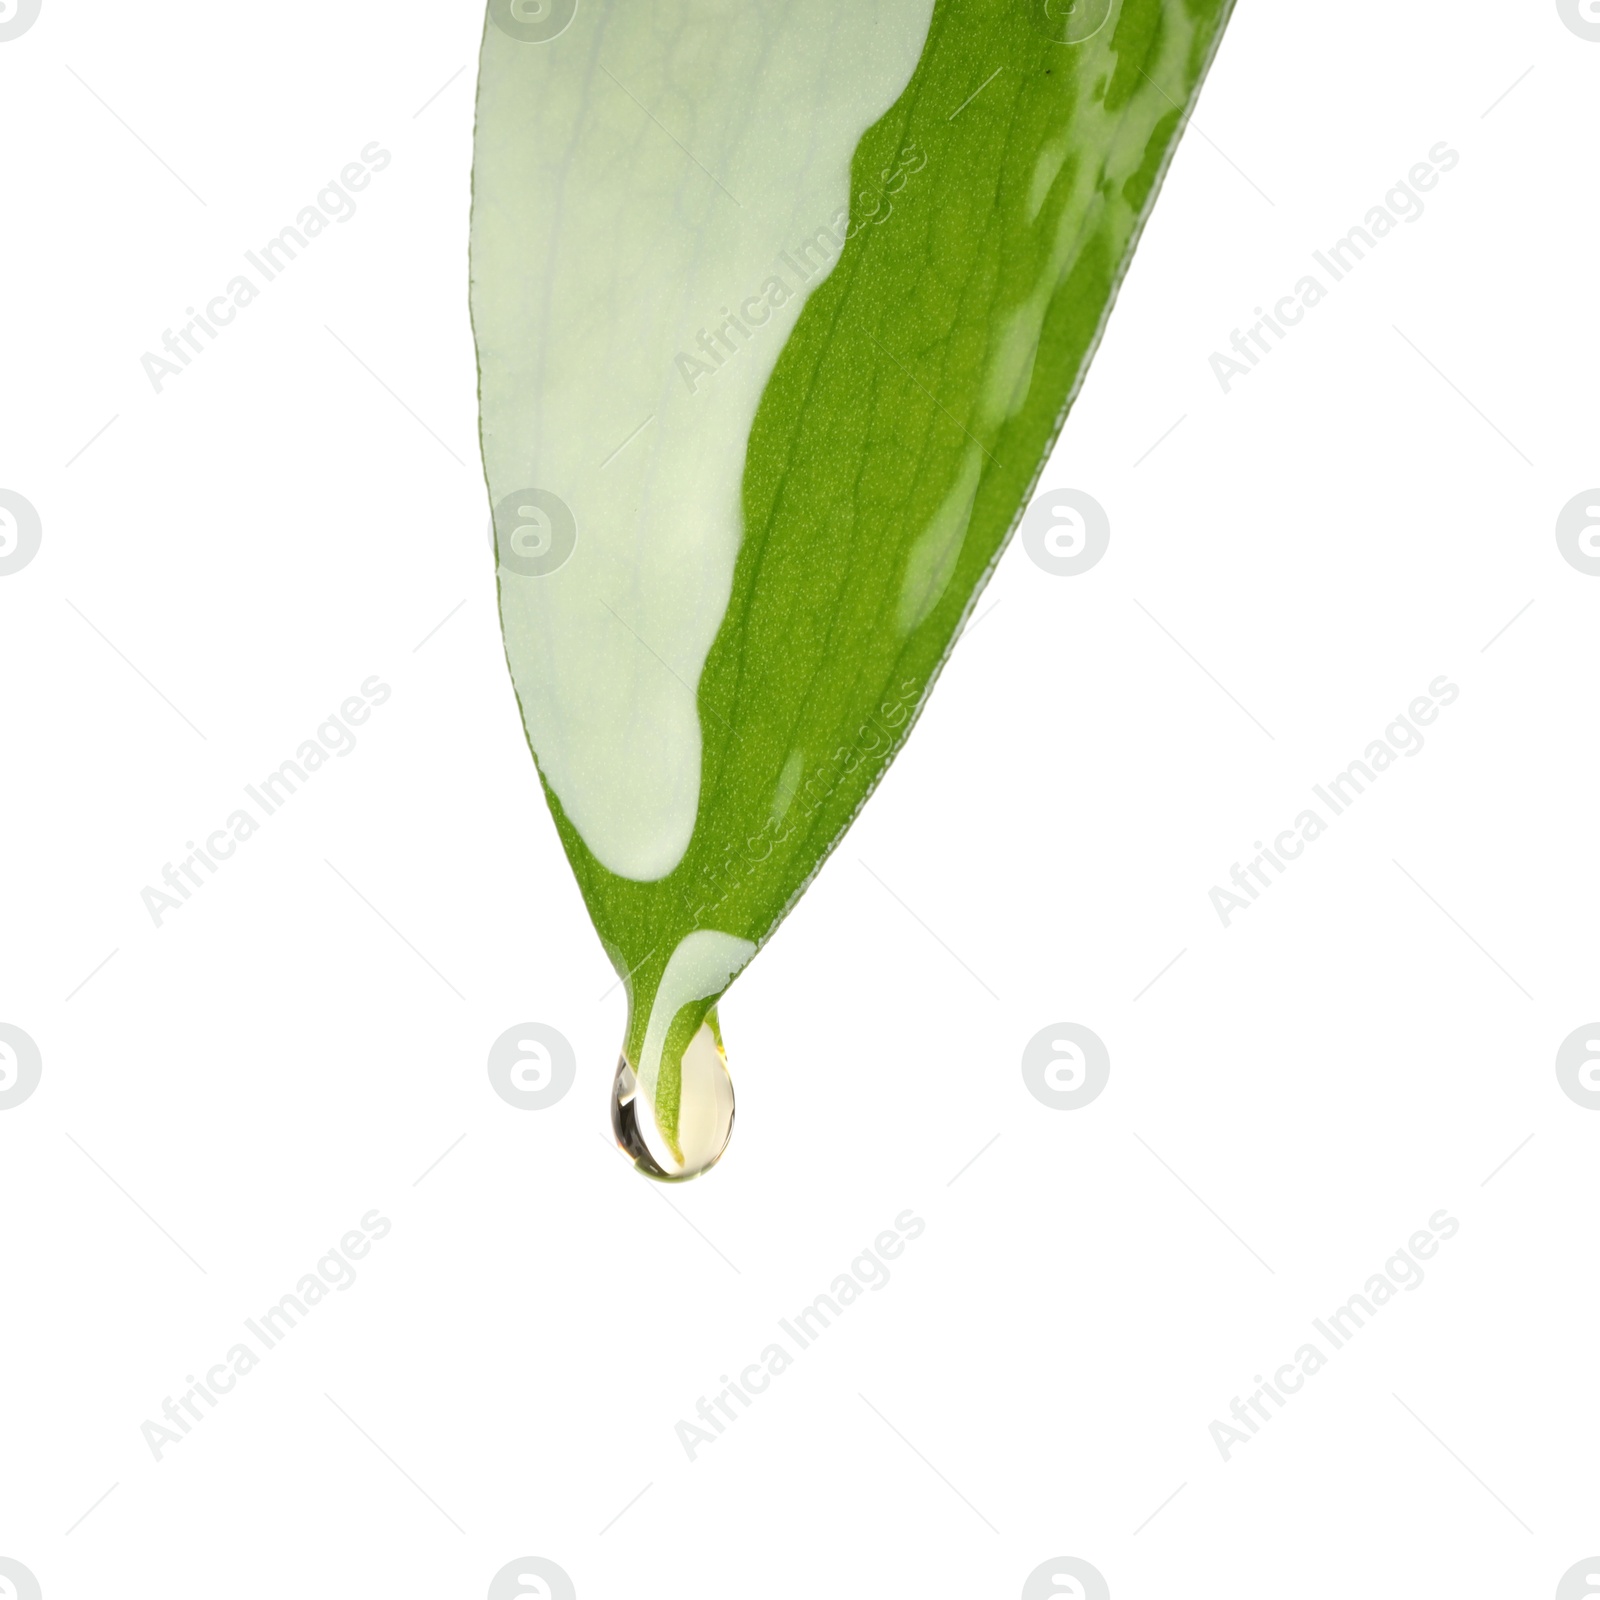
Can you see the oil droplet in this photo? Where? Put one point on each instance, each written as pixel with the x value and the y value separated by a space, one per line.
pixel 705 1115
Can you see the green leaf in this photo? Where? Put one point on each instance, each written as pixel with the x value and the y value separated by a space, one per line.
pixel 881 425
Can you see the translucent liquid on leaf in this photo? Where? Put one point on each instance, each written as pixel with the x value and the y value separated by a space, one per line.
pixel 705 1115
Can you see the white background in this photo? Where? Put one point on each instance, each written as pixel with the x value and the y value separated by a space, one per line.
pixel 1289 1101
